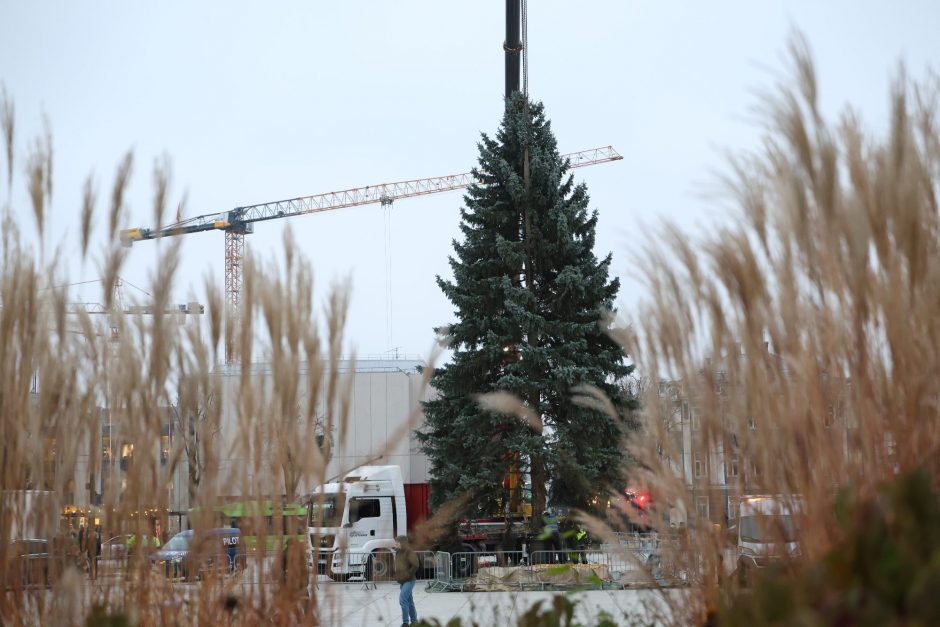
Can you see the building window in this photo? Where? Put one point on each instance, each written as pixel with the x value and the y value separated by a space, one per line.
pixel 698 464
pixel 694 418
pixel 673 416
pixel 701 506
pixel 891 446
pixel 733 465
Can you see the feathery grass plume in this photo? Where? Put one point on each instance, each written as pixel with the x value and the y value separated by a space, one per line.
pixel 506 403
pixel 89 197
pixel 801 342
pixel 121 178
pixel 339 388
pixel 592 397
pixel 216 311
pixel 7 123
pixel 130 415
pixel 48 155
pixel 161 184
pixel 39 171
pixel 110 271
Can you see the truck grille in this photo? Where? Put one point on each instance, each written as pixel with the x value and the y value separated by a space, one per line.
pixel 322 542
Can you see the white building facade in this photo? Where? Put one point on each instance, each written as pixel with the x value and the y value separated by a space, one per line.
pixel 384 411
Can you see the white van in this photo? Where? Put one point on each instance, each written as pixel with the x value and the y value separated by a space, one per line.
pixel 767 530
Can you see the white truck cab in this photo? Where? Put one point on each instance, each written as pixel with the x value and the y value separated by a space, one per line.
pixel 767 530
pixel 352 524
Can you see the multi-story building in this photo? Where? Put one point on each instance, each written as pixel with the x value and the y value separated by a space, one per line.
pixel 712 472
pixel 711 461
pixel 384 396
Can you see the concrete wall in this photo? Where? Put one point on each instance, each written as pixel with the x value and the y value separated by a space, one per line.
pixel 386 395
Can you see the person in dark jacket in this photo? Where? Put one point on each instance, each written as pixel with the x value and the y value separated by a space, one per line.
pixel 93 550
pixel 406 569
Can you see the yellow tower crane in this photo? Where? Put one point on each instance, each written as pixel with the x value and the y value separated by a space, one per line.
pixel 240 221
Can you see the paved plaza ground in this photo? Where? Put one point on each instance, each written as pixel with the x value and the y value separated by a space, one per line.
pixel 348 604
pixel 355 603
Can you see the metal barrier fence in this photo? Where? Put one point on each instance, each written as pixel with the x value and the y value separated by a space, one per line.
pixel 263 567
pixel 443 568
pixel 194 566
pixel 624 567
pixel 637 541
pixel 655 561
pixel 43 570
pixel 635 552
pixel 347 566
pixel 615 561
pixel 466 564
pixel 30 571
pixel 443 571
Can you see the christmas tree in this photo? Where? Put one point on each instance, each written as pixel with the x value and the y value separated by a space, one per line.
pixel 529 297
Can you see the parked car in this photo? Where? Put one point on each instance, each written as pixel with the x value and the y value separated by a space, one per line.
pixel 189 555
pixel 28 563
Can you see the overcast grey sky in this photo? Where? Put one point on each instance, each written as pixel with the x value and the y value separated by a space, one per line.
pixel 256 102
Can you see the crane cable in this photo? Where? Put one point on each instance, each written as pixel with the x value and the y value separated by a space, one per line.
pixel 525 50
pixel 387 210
pixel 525 90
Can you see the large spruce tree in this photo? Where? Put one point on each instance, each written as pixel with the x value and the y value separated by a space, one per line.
pixel 529 295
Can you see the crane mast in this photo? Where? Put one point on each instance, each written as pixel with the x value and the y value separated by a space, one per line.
pixel 512 46
pixel 238 222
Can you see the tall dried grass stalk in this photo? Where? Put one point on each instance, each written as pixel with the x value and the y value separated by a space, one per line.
pixel 806 336
pixel 63 375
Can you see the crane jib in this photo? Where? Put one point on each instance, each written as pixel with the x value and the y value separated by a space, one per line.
pixel 240 219
pixel 238 222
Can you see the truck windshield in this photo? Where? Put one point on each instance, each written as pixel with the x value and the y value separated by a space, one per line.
pixel 768 528
pixel 326 514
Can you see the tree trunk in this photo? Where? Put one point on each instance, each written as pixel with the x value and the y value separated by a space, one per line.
pixel 538 474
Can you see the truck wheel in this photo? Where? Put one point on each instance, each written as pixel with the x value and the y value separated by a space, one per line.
pixel 379 567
